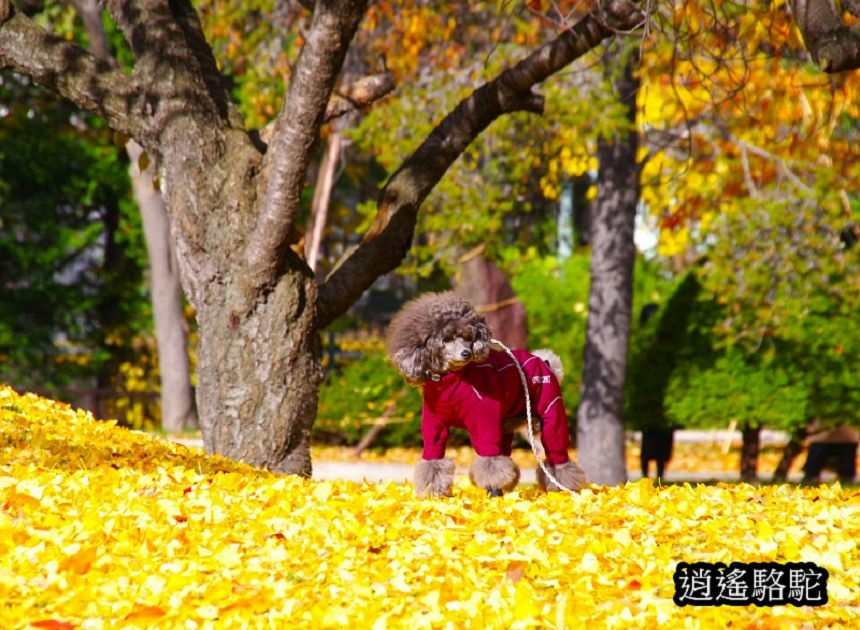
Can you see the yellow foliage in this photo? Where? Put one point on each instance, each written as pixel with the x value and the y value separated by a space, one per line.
pixel 101 527
pixel 672 242
pixel 746 123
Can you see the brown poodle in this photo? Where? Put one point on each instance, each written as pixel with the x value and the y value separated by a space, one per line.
pixel 439 341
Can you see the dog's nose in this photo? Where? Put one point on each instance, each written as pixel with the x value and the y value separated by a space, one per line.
pixel 466 354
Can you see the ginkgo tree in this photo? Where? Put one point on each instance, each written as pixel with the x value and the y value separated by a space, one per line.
pixel 753 162
pixel 752 167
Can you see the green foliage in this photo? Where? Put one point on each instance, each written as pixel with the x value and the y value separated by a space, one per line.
pixel 776 263
pixel 751 389
pixel 71 293
pixel 555 294
pixel 685 372
pixel 355 395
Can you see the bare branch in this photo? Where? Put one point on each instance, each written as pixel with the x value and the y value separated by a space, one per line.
pixel 359 94
pixel 296 133
pixel 92 84
pixel 767 155
pixel 400 199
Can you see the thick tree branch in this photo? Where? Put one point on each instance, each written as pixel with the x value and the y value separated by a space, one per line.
pixel 189 21
pixel 296 134
pixel 400 199
pixel 91 84
pixel 173 60
pixel 834 46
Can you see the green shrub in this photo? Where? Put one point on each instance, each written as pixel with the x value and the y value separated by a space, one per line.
pixel 356 394
pixel 683 373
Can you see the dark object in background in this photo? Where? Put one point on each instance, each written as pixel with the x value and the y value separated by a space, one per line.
pixel 657 447
pixel 836 448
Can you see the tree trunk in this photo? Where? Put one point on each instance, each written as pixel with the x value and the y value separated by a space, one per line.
pixel 482 283
pixel 749 453
pixel 789 454
pixel 258 377
pixel 600 427
pixel 178 411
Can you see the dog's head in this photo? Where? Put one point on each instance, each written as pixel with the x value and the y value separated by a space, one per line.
pixel 436 333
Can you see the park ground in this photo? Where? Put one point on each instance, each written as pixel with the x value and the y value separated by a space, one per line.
pixel 698 456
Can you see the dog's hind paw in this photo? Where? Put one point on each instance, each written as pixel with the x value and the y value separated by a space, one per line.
pixel 568 474
pixel 434 477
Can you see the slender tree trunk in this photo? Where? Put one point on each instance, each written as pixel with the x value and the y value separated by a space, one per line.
pixel 749 452
pixel 600 427
pixel 178 410
pixel 322 198
pixel 109 315
pixel 789 454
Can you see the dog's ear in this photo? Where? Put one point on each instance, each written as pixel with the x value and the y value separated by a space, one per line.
pixel 411 362
pixel 483 335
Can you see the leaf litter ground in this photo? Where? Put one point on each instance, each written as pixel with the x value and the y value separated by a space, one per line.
pixel 101 527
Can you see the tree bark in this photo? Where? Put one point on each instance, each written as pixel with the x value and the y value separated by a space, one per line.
pixel 600 426
pixel 834 46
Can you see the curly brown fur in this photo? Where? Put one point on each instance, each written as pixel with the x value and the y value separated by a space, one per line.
pixel 434 477
pixel 434 334
pixel 569 474
pixel 494 473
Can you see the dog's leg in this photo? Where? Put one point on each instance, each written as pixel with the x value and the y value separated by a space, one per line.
pixel 495 474
pixel 569 474
pixel 434 477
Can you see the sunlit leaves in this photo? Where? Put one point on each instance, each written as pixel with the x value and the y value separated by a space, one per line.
pixel 102 527
pixel 732 112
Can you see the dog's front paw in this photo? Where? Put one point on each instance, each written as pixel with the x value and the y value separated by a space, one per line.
pixel 568 474
pixel 434 477
pixel 498 473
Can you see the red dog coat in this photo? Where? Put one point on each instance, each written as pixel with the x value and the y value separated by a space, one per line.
pixel 481 395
